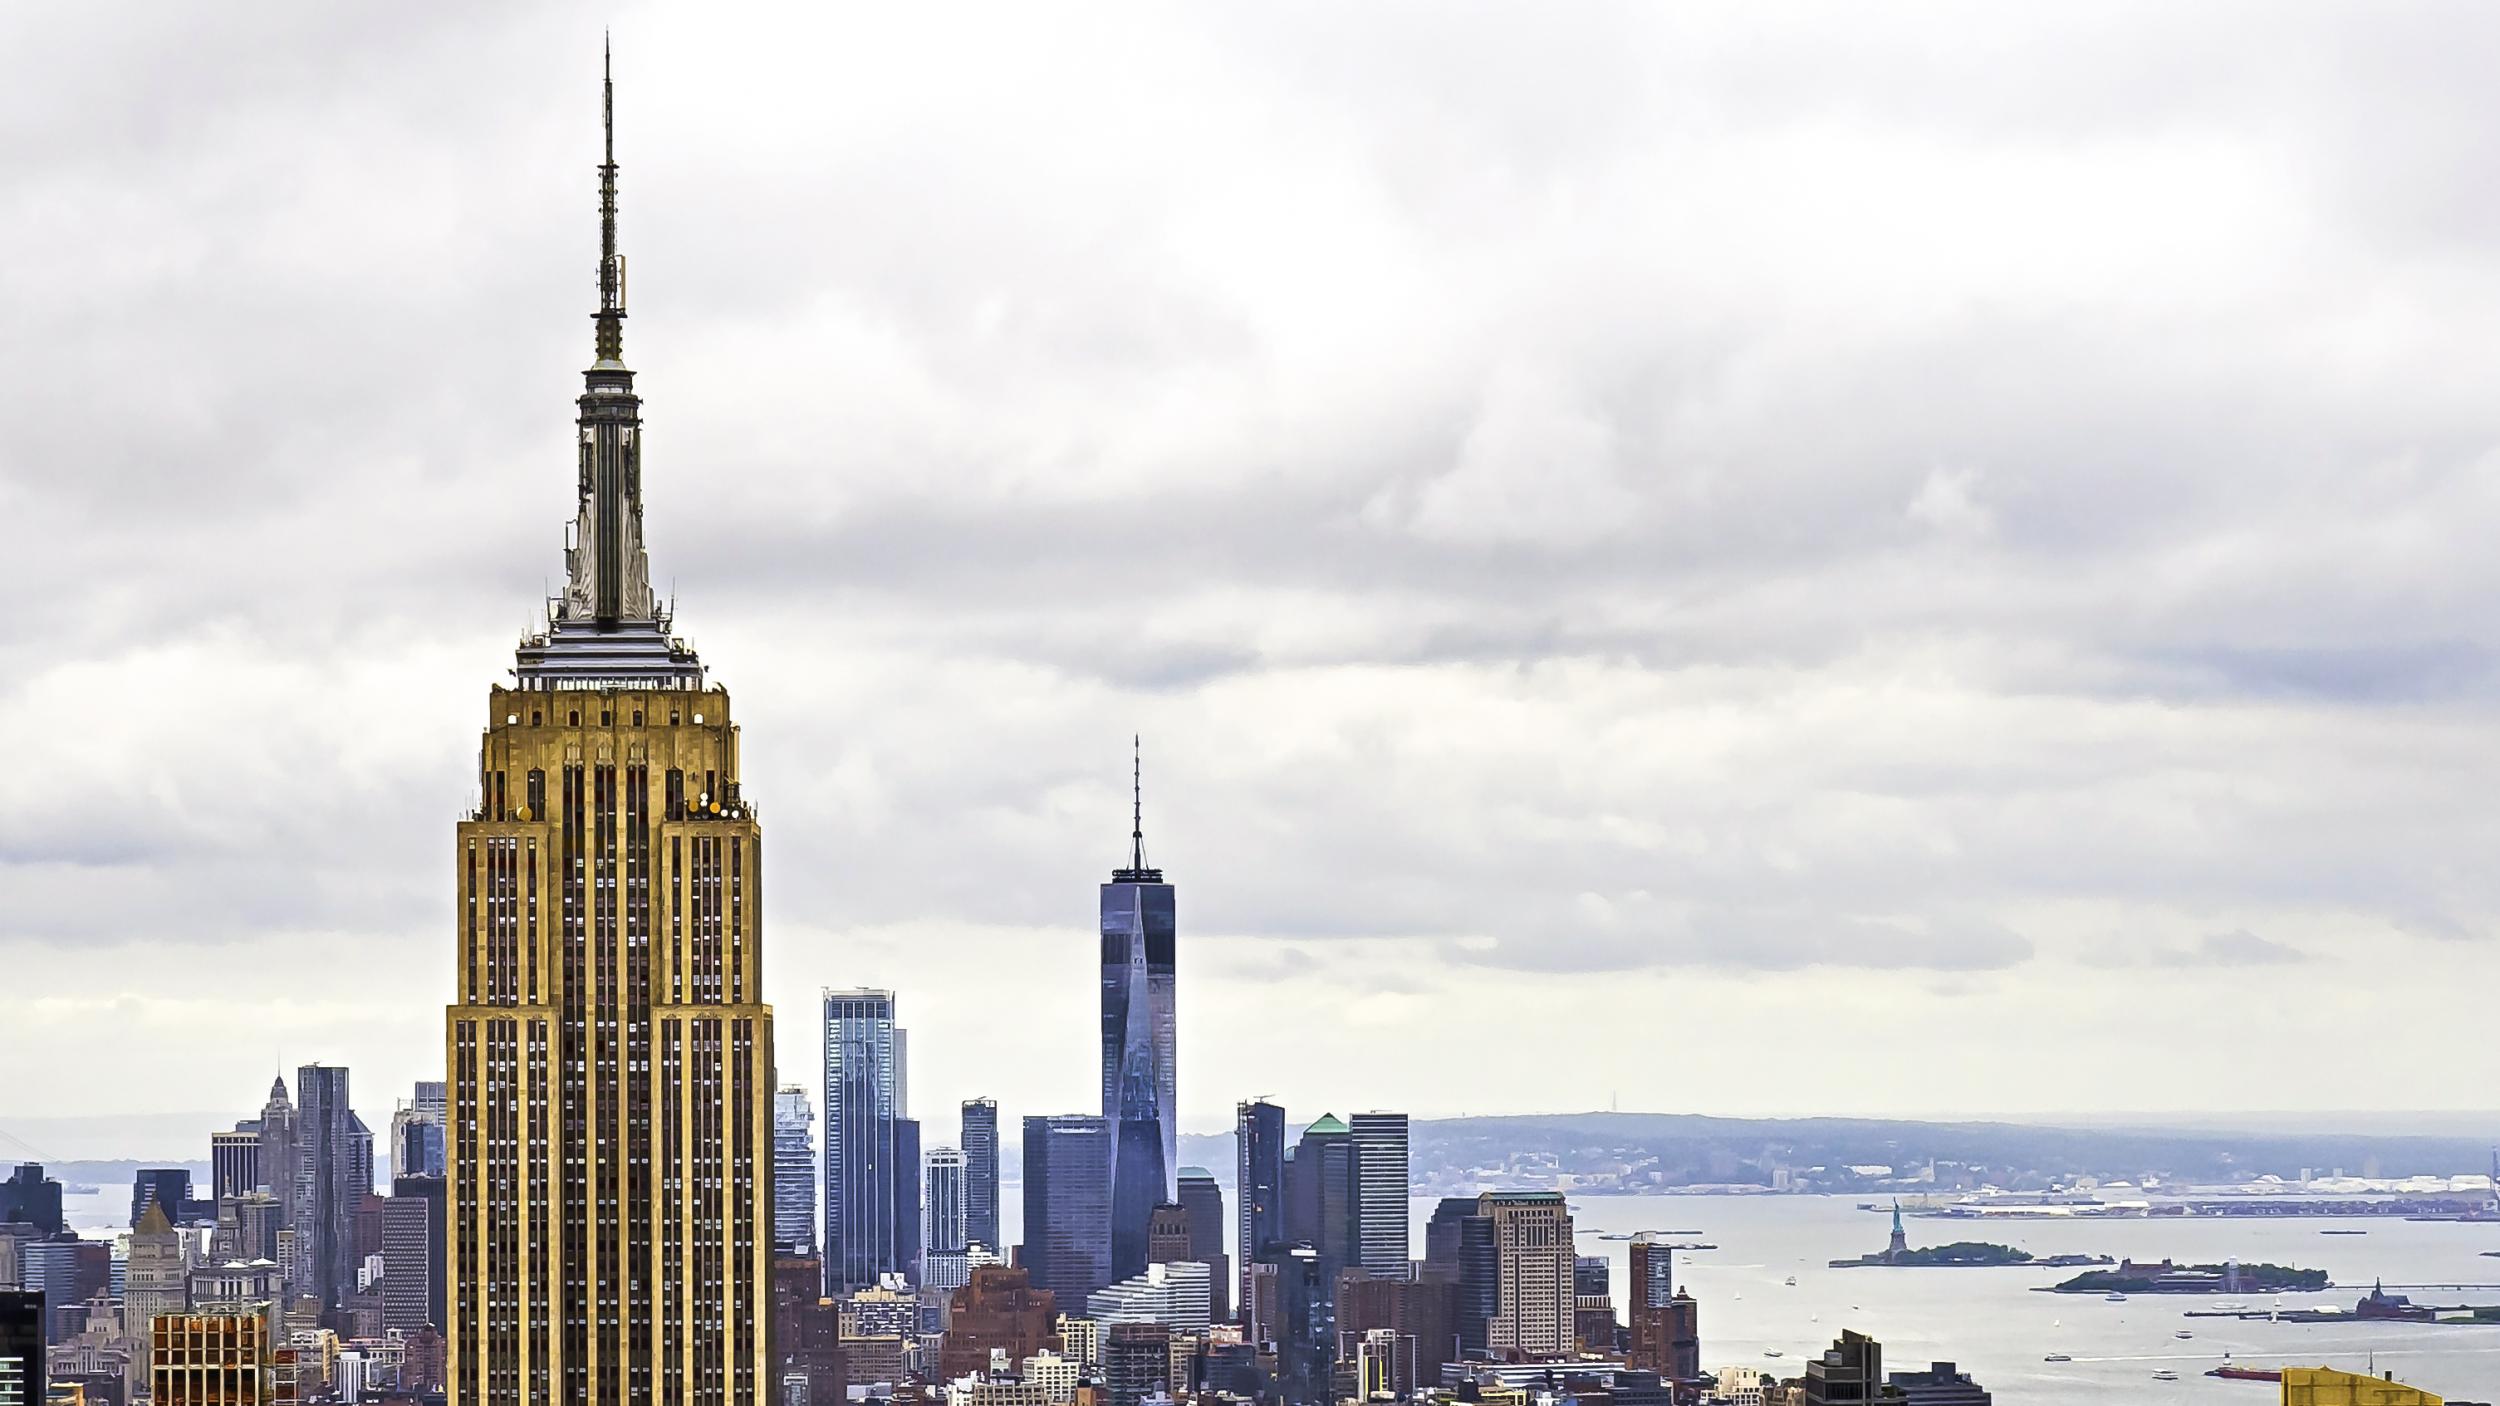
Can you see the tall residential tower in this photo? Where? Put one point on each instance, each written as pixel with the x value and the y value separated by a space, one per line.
pixel 1138 1093
pixel 610 1053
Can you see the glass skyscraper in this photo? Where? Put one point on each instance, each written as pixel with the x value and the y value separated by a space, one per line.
pixel 872 1160
pixel 1258 1185
pixel 942 1201
pixel 1138 1093
pixel 1067 1204
pixel 1380 1210
pixel 980 1144
pixel 794 1172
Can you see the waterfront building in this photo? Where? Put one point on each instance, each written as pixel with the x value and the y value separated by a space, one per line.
pixel 1139 1100
pixel 1203 1201
pixel 1174 1294
pixel 997 1310
pixel 21 1348
pixel 413 1226
pixel 1258 1185
pixel 1136 1361
pixel 1850 1370
pixel 1593 1305
pixel 794 1172
pixel 611 1053
pixel 942 1211
pixel 2326 1386
pixel 1321 1199
pixel 234 1161
pixel 1683 1337
pixel 1459 1250
pixel 1649 1309
pixel 1743 1386
pixel 872 1161
pixel 31 1197
pixel 1533 1255
pixel 980 1145
pixel 1939 1385
pixel 169 1187
pixel 1067 1203
pixel 1381 1210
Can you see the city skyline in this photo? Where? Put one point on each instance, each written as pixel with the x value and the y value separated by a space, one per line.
pixel 1923 708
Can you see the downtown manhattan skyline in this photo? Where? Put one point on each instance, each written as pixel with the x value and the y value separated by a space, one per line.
pixel 959 541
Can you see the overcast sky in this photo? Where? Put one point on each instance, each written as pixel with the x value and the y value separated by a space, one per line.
pixel 1856 562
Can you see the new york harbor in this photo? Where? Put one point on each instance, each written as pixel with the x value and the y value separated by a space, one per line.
pixel 1453 705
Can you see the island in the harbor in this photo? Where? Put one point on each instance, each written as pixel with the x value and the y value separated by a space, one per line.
pixel 1959 1254
pixel 2131 1277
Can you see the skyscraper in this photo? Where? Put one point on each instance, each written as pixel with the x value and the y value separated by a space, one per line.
pixel 1258 1184
pixel 169 1187
pixel 611 1055
pixel 1139 1101
pixel 1067 1204
pixel 1204 1201
pixel 417 1132
pixel 21 1348
pixel 1535 1263
pixel 868 1231
pixel 156 1281
pixel 943 1222
pixel 980 1144
pixel 234 1161
pixel 1650 1297
pixel 794 1172
pixel 413 1288
pixel 1381 1212
pixel 277 1149
pixel 326 1190
pixel 1320 1195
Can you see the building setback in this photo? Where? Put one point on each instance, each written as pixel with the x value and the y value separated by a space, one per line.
pixel 610 1051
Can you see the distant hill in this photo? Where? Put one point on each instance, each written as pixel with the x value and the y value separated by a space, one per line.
pixel 1663 1150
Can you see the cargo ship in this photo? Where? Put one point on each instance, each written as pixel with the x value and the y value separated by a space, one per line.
pixel 2234 1373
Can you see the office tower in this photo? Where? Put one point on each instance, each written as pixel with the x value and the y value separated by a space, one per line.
pixel 942 1206
pixel 156 1281
pixel 277 1148
pixel 794 1172
pixel 1174 1294
pixel 1593 1323
pixel 1321 1200
pixel 1533 1251
pixel 327 1191
pixel 1136 1361
pixel 1652 1291
pixel 21 1348
pixel 1423 1309
pixel 1067 1204
pixel 980 1144
pixel 865 1173
pixel 413 1278
pixel 1298 1315
pixel 1380 1192
pixel 31 1197
pixel 1204 1202
pixel 906 1197
pixel 216 1359
pixel 1258 1184
pixel 1850 1370
pixel 1139 1103
pixel 611 1055
pixel 1683 1337
pixel 1167 1234
pixel 169 1187
pixel 1942 1384
pixel 417 1132
pixel 234 1161
pixel 999 1309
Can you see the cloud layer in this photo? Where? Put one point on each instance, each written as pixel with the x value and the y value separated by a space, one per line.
pixel 1712 536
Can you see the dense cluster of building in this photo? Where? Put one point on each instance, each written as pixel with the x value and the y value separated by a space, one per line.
pixel 291 1279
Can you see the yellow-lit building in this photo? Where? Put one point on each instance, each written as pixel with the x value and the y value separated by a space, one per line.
pixel 225 1358
pixel 2324 1386
pixel 610 1055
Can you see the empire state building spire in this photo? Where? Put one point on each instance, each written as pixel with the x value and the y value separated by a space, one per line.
pixel 608 625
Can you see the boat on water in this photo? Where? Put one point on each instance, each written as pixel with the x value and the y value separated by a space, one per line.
pixel 2165 1375
pixel 1792 1281
pixel 2343 1232
pixel 2057 1357
pixel 1773 1352
pixel 2113 1296
pixel 2183 1333
pixel 2232 1372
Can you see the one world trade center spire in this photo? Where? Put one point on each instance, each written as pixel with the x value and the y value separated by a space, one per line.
pixel 1137 1043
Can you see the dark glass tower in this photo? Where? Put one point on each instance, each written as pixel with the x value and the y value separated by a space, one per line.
pixel 1322 1209
pixel 872 1151
pixel 1204 1201
pixel 1067 1204
pixel 1138 1097
pixel 1258 1184
pixel 327 1191
pixel 980 1143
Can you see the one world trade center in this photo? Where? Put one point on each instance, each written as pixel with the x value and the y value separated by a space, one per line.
pixel 1137 1038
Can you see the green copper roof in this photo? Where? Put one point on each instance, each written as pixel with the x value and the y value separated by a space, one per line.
pixel 1327 1124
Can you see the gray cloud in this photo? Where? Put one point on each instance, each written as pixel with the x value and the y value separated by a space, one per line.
pixel 1805 507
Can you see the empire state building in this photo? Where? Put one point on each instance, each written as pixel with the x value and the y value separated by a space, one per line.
pixel 610 1052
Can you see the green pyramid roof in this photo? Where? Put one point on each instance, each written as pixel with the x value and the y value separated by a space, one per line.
pixel 1327 1124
